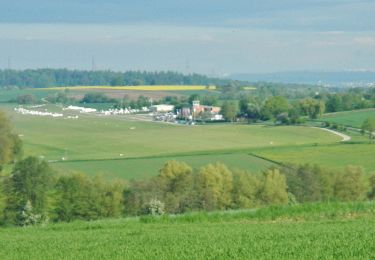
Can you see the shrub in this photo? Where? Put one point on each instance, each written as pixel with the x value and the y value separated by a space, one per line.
pixel 155 208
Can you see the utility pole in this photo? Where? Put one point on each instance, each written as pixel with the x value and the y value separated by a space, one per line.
pixel 93 64
pixel 187 67
pixel 9 65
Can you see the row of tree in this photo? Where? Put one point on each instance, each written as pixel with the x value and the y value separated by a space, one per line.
pixel 34 194
pixel 275 108
pixel 10 143
pixel 41 78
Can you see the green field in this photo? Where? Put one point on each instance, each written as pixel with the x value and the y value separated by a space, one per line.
pixel 92 137
pixel 7 95
pixel 349 118
pixel 311 231
pixel 140 168
pixel 96 141
pixel 336 156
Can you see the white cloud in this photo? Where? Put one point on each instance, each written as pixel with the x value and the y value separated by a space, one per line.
pixel 365 41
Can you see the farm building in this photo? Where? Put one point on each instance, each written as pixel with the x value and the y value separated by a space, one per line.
pixel 161 108
pixel 198 108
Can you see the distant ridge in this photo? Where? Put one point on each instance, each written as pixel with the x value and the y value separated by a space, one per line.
pixel 327 78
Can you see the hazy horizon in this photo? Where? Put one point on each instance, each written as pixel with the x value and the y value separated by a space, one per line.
pixel 209 37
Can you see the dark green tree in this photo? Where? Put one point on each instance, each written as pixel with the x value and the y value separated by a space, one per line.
pixel 31 180
pixel 274 106
pixel 10 144
pixel 229 111
pixel 369 127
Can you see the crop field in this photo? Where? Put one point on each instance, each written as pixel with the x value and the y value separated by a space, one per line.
pixel 146 87
pixel 249 88
pixel 336 156
pixel 349 118
pixel 311 231
pixel 97 140
pixel 133 92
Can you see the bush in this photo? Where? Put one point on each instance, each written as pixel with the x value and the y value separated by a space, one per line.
pixel 25 99
pixel 155 208
pixel 29 217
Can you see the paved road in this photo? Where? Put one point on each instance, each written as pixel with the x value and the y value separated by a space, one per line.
pixel 344 137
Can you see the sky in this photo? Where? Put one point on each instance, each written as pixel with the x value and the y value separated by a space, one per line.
pixel 214 37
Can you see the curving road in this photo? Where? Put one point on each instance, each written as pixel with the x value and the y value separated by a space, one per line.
pixel 344 137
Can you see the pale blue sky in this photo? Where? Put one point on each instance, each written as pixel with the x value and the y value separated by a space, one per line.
pixel 207 36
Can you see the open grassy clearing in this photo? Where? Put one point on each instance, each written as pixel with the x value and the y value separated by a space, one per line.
pixel 349 118
pixel 94 138
pixel 336 156
pixel 146 167
pixel 7 95
pixel 340 231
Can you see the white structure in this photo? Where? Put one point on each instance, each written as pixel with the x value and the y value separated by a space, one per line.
pixel 162 108
pixel 24 111
pixel 81 109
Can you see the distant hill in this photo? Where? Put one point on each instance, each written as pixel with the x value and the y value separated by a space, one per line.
pixel 335 79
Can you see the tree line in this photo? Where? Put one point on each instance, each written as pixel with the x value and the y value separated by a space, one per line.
pixel 42 78
pixel 34 194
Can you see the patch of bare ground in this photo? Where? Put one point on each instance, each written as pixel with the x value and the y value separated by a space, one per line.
pixel 132 94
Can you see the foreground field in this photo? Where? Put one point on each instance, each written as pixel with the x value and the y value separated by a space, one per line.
pixel 316 231
pixel 349 118
pixel 91 143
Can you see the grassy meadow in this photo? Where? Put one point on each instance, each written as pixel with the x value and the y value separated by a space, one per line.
pixel 92 137
pixel 310 231
pixel 8 95
pixel 335 156
pixel 142 168
pixel 114 145
pixel 349 118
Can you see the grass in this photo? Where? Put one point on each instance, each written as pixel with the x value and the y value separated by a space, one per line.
pixel 98 140
pixel 107 138
pixel 336 156
pixel 145 87
pixel 349 118
pixel 341 231
pixel 142 168
pixel 7 95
